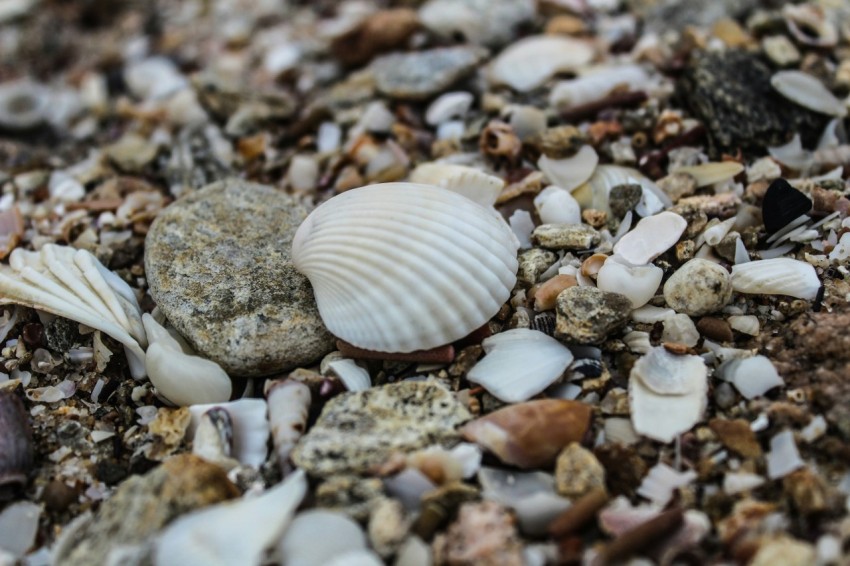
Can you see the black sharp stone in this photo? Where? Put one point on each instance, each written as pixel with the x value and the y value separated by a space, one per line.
pixel 782 204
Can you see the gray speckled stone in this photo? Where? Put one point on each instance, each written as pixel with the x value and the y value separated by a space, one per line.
pixel 358 431
pixel 420 75
pixel 588 315
pixel 571 237
pixel 218 266
pixel 698 287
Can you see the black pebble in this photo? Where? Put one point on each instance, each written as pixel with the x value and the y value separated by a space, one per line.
pixel 782 204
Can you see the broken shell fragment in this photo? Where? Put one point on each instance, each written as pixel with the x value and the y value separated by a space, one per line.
pixel 16 450
pixel 753 377
pixel 711 173
pixel 807 91
pixel 638 283
pixel 250 428
pixel 530 62
pixel 367 249
pixel 530 434
pixel 606 177
pixel 596 85
pixel 570 173
pixel 235 532
pixel 467 181
pixel 652 236
pixel 447 106
pixel 519 364
pixel 180 376
pixel 289 405
pixel 667 394
pixel 73 284
pixel 557 206
pixel 777 276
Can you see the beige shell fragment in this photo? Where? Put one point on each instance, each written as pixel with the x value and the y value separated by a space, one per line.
pixel 467 181
pixel 711 173
pixel 667 394
pixel 530 62
pixel 73 284
pixel 807 91
pixel 400 267
pixel 570 173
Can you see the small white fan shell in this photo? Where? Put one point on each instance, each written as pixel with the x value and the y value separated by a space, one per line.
pixel 400 267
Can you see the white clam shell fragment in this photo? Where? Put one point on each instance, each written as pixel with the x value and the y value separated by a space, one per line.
pixel 667 394
pixel 570 172
pixel 711 173
pixel 753 377
pixel 652 236
pixel 74 284
pixel 180 376
pixel 519 364
pixel 745 323
pixel 778 276
pixel 400 267
pixel 235 532
pixel 250 428
pixel 807 91
pixel 555 205
pixel 530 62
pixel 596 85
pixel 354 377
pixel 638 283
pixel 468 181
pixel 447 106
pixel 606 177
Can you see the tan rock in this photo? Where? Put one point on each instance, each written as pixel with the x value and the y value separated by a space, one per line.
pixel 577 471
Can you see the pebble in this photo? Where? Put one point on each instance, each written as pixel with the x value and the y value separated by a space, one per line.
pixel 588 315
pixel 388 527
pixel 780 50
pixel 810 493
pixel 353 495
pixel 698 287
pixel 715 329
pixel 422 74
pixel 228 284
pixel 358 431
pixel 573 237
pixel 491 23
pixel 383 31
pixel 624 198
pixel 533 263
pixel 578 471
pixel 678 185
pixel 782 549
pixel 142 505
pixel 484 533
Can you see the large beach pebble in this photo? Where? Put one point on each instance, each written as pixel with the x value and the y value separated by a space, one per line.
pixel 358 431
pixel 218 264
pixel 419 75
pixel 587 315
pixel 698 287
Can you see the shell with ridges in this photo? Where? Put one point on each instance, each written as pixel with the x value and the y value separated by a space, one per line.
pixel 399 267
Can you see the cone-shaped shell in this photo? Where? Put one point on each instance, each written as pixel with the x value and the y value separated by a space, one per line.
pixel 400 267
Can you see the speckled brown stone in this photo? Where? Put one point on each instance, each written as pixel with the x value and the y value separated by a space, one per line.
pixel 218 264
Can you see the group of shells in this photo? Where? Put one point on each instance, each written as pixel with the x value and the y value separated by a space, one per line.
pixel 534 260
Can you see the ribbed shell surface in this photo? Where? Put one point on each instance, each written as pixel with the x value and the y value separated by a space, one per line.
pixel 399 267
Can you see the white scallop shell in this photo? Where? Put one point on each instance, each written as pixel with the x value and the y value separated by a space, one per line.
pixel 778 276
pixel 468 181
pixel 400 267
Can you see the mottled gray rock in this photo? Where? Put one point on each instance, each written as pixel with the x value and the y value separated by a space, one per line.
pixel 678 185
pixel 422 74
pixel 482 22
pixel 698 287
pixel 141 507
pixel 571 237
pixel 218 264
pixel 624 198
pixel 355 496
pixel 358 431
pixel 730 92
pixel 588 315
pixel 532 263
pixel 663 15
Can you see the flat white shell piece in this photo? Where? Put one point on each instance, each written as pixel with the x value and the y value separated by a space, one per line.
pixel 519 364
pixel 400 267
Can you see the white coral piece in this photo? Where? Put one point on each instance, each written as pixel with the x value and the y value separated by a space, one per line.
pixel 73 284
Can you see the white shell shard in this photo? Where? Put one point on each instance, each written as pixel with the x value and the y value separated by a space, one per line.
pixel 447 106
pixel 597 84
pixel 530 62
pixel 519 364
pixel 570 173
pixel 250 428
pixel 711 173
pixel 667 394
pixel 522 225
pixel 680 328
pixel 387 262
pixel 716 233
pixel 317 536
pixel 354 377
pixel 783 457
pixel 531 495
pixel 288 405
pixel 661 481
pixel 652 236
pixel 649 314
pixel 746 324
pixel 179 376
pixel 18 527
pixel 73 284
pixel 737 482
pixel 752 377
pixel 606 177
pixel 235 532
pixel 807 91
pixel 638 283
pixel 778 276
pixel 555 205
pixel 470 182
pixel 792 154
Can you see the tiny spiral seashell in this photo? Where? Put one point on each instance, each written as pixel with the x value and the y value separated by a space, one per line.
pixel 400 267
